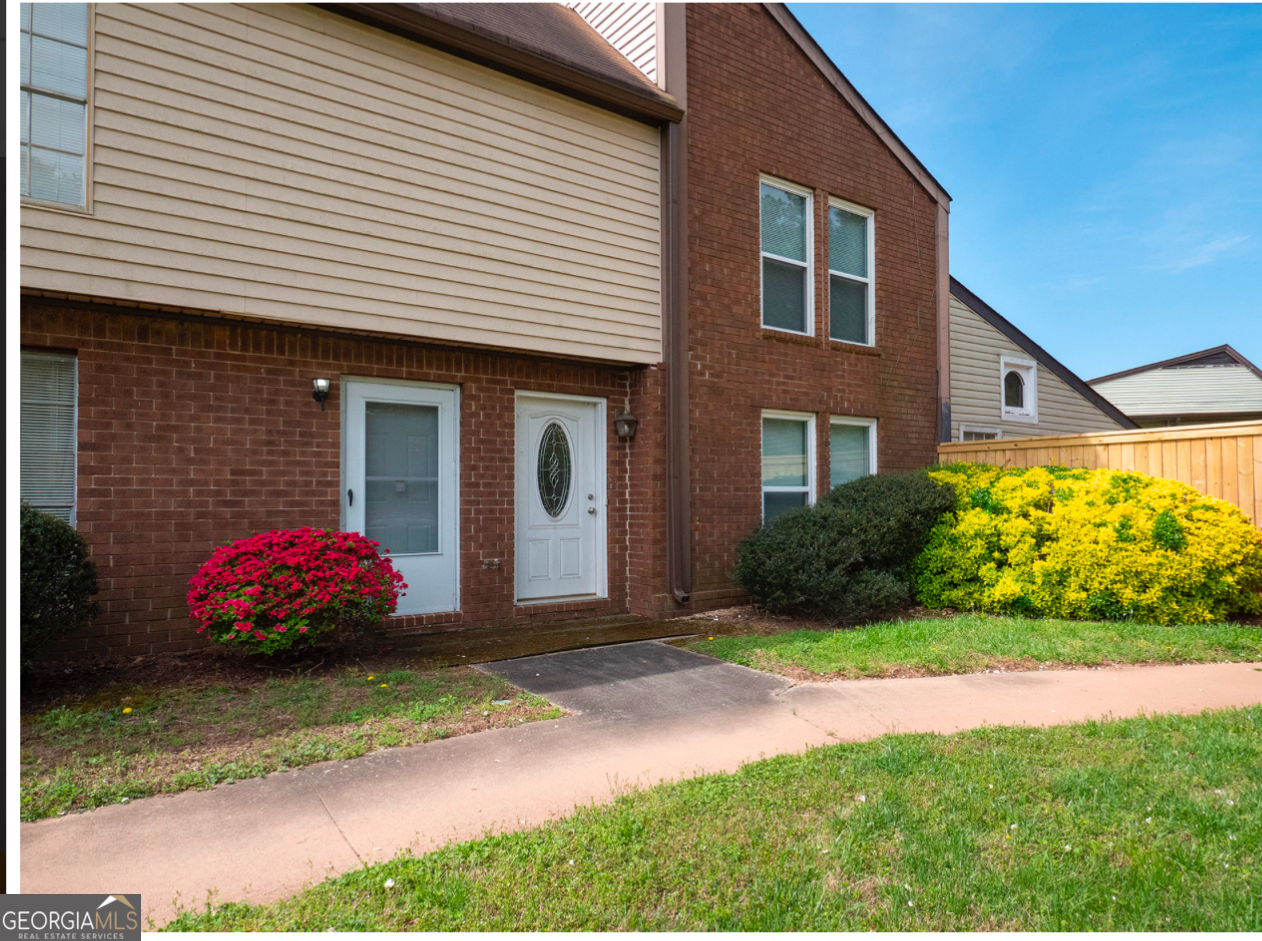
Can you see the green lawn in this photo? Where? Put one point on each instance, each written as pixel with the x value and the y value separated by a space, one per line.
pixel 1139 825
pixel 132 742
pixel 969 643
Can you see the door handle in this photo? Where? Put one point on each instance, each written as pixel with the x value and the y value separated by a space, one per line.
pixel 350 497
pixel 592 510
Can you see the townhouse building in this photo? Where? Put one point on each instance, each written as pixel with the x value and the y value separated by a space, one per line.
pixel 555 303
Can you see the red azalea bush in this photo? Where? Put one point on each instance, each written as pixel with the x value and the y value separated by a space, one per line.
pixel 273 591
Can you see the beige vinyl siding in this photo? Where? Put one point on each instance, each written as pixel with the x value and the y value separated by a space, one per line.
pixel 1186 390
pixel 976 348
pixel 283 162
pixel 631 28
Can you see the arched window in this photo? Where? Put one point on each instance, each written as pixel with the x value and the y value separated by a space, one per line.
pixel 1013 390
pixel 1018 390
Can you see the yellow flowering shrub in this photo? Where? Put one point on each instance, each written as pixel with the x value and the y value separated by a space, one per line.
pixel 1089 544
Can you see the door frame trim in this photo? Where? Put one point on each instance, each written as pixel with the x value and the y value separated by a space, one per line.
pixel 602 486
pixel 344 401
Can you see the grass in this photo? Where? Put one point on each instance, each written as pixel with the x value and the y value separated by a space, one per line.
pixel 132 742
pixel 1139 825
pixel 969 643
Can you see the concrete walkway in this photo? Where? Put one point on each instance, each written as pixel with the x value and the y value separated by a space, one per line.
pixel 644 712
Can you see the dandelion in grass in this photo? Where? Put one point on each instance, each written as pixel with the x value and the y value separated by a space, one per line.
pixel 127 710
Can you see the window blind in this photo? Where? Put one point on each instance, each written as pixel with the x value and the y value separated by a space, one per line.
pixel 850 454
pixel 847 242
pixel 783 453
pixel 54 91
pixel 48 435
pixel 783 223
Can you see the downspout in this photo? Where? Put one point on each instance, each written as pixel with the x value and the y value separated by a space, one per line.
pixel 943 292
pixel 673 64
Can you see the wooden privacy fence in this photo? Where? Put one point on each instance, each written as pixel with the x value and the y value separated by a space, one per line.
pixel 1224 461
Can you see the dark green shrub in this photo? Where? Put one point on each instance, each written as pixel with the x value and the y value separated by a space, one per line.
pixel 58 580
pixel 846 557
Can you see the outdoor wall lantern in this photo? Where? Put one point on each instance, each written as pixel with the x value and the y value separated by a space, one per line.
pixel 625 424
pixel 321 391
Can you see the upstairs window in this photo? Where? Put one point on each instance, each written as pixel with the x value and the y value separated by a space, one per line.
pixel 54 92
pixel 1018 389
pixel 850 258
pixel 787 290
pixel 49 440
pixel 788 462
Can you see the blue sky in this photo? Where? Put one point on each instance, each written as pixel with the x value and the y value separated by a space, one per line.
pixel 1105 162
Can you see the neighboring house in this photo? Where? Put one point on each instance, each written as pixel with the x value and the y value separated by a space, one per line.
pixel 499 244
pixel 1004 385
pixel 1214 385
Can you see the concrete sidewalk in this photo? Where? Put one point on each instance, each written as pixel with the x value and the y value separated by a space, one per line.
pixel 644 712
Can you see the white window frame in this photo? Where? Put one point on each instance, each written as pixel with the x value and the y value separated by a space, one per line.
pixel 1029 374
pixel 980 430
pixel 74 496
pixel 89 104
pixel 810 255
pixel 809 419
pixel 869 423
pixel 870 280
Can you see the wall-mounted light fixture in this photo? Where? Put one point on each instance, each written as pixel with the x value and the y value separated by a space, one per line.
pixel 625 424
pixel 321 391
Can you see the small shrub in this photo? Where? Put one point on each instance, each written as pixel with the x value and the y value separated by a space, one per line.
pixel 1078 543
pixel 846 557
pixel 277 590
pixel 58 580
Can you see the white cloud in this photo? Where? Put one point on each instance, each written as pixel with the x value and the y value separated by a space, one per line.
pixel 1205 253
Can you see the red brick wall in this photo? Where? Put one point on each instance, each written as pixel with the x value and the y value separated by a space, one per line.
pixel 756 105
pixel 195 432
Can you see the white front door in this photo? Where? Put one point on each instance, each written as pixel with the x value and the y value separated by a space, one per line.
pixel 561 503
pixel 400 465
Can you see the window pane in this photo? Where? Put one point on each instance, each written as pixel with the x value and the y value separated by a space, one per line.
pixel 783 453
pixel 25 19
pixel 847 310
pixel 850 454
pixel 401 465
pixel 783 295
pixel 26 159
pixel 59 67
pixel 56 177
pixel 847 242
pixel 978 436
pixel 773 504
pixel 26 117
pixel 60 125
pixel 48 441
pixel 1013 390
pixel 25 45
pixel 783 223
pixel 66 21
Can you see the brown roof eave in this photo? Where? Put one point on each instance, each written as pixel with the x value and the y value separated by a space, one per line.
pixel 408 21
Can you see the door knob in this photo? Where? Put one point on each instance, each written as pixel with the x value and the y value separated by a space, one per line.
pixel 592 510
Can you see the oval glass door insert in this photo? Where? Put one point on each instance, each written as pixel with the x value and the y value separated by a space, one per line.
pixel 555 469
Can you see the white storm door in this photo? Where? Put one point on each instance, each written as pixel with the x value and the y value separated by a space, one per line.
pixel 561 503
pixel 400 464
